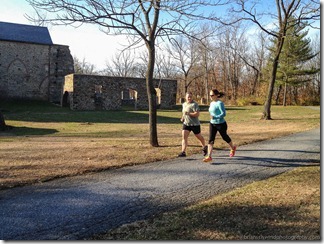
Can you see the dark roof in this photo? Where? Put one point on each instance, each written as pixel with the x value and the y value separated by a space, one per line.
pixel 24 33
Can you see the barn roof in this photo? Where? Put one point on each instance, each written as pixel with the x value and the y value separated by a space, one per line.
pixel 24 33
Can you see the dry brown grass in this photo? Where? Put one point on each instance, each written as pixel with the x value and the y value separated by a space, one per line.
pixel 77 148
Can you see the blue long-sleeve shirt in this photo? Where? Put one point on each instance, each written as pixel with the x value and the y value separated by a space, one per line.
pixel 218 111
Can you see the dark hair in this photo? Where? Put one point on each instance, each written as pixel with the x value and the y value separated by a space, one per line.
pixel 217 93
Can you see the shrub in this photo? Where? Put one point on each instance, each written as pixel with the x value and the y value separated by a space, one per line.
pixel 245 101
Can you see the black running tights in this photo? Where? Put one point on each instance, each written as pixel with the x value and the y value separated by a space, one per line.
pixel 222 129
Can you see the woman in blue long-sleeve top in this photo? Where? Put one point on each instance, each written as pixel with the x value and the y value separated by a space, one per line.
pixel 217 124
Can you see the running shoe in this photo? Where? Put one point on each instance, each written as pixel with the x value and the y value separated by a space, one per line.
pixel 232 152
pixel 182 154
pixel 205 150
pixel 207 159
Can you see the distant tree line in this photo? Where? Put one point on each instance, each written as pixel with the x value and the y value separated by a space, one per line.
pixel 235 62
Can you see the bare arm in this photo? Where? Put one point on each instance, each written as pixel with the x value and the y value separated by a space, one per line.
pixel 193 114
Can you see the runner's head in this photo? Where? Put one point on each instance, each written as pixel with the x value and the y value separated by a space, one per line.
pixel 189 97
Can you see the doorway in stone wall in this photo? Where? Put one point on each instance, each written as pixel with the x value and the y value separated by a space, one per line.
pixel 129 99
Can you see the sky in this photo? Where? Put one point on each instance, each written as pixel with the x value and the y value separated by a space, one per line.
pixel 86 42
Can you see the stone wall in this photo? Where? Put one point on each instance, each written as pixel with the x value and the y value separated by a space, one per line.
pixel 93 92
pixel 33 71
pixel 61 64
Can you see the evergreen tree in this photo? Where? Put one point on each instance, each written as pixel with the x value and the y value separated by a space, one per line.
pixel 296 51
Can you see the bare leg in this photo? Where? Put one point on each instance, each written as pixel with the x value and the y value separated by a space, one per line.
pixel 231 145
pixel 209 154
pixel 201 139
pixel 185 135
pixel 210 150
pixel 233 149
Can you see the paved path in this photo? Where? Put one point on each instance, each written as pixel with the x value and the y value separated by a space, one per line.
pixel 78 207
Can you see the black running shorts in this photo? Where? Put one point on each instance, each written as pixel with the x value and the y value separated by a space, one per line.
pixel 194 128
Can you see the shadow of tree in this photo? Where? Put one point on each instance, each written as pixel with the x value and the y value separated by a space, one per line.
pixel 240 222
pixel 253 222
pixel 46 112
pixel 135 117
pixel 19 131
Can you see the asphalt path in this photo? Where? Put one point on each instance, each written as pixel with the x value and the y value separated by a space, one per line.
pixel 76 208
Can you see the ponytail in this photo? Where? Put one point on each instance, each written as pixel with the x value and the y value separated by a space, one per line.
pixel 217 93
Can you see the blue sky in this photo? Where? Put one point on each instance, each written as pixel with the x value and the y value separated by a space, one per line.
pixel 86 42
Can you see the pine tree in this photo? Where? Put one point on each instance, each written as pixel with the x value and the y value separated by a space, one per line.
pixel 296 52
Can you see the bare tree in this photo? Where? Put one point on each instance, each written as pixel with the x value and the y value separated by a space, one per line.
pixel 236 45
pixel 183 51
pixel 83 67
pixel 146 21
pixel 302 10
pixel 232 44
pixel 254 62
pixel 141 66
pixel 205 49
pixel 122 64
pixel 165 66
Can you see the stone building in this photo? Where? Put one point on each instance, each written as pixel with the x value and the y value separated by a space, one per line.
pixel 93 92
pixel 31 66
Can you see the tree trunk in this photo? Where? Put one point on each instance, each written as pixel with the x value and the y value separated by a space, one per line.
pixel 267 106
pixel 206 76
pixel 151 94
pixel 255 82
pixel 185 83
pixel 284 103
pixel 206 87
pixel 278 94
pixel 2 123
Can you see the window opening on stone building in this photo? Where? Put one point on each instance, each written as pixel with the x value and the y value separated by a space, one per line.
pixel 158 97
pixel 129 99
pixel 98 97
